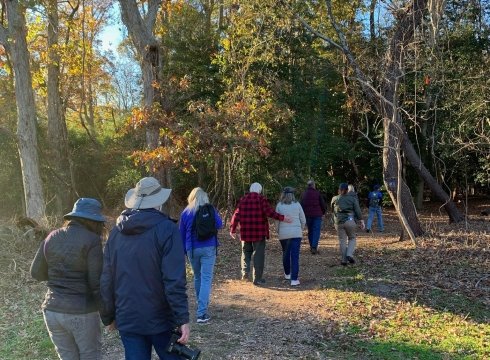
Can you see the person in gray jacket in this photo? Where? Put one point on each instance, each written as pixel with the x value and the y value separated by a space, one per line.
pixel 70 260
pixel 346 212
pixel 290 234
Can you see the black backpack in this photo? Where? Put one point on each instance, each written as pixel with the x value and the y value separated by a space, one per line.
pixel 204 222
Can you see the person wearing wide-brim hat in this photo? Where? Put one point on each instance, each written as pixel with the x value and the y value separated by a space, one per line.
pixel 143 281
pixel 346 212
pixel 70 259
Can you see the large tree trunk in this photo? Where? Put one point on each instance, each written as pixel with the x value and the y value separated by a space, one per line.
pixel 26 111
pixel 393 182
pixel 57 132
pixel 141 32
pixel 411 154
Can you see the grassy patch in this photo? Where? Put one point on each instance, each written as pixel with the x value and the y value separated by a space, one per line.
pixel 389 329
pixel 24 335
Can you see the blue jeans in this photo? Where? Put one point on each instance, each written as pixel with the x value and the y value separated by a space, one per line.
pixel 290 256
pixel 202 261
pixel 372 211
pixel 138 347
pixel 314 225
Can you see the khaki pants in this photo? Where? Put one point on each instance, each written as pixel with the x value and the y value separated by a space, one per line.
pixel 75 336
pixel 347 238
pixel 255 251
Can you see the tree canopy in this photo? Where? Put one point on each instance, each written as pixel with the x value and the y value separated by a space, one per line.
pixel 220 94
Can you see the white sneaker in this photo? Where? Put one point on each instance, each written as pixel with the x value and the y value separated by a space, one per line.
pixel 294 282
pixel 287 276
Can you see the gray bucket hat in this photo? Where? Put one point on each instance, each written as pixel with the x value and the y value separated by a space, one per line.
pixel 147 194
pixel 87 208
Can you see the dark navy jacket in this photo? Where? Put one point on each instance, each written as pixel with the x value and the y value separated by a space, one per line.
pixel 143 282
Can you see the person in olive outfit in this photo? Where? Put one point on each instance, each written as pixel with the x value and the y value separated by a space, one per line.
pixel 70 260
pixel 346 212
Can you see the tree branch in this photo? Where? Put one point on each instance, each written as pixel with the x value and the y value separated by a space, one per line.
pixel 151 17
pixel 140 34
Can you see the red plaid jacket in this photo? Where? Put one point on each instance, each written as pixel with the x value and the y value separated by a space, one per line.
pixel 252 213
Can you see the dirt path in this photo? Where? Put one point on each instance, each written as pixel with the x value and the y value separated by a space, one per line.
pixel 275 321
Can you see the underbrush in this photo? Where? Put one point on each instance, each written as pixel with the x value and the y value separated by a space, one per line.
pixel 22 331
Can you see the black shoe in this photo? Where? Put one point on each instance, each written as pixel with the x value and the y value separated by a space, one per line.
pixel 368 230
pixel 245 277
pixel 351 259
pixel 314 251
pixel 259 282
pixel 343 263
pixel 203 319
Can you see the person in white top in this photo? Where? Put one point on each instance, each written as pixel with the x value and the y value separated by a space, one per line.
pixel 290 234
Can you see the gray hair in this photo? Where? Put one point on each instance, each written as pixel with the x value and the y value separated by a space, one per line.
pixel 256 188
pixel 197 197
pixel 351 188
pixel 287 196
pixel 311 183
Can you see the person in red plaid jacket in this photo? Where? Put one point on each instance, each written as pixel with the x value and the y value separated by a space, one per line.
pixel 251 213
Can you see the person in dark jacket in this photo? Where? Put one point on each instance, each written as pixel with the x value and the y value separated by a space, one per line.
pixel 251 216
pixel 70 260
pixel 346 212
pixel 200 252
pixel 314 209
pixel 375 198
pixel 143 283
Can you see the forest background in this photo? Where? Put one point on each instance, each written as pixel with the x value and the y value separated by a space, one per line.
pixel 220 94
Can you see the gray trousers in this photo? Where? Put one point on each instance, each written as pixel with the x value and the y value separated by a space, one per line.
pixel 255 251
pixel 75 336
pixel 347 238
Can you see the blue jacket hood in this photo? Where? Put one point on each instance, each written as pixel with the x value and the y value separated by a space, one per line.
pixel 132 222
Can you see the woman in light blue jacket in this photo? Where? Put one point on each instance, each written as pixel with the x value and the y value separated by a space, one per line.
pixel 290 234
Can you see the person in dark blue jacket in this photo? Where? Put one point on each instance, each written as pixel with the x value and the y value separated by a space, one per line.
pixel 201 252
pixel 375 198
pixel 143 282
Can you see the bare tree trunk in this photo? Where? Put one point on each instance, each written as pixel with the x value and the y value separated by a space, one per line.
pixel 26 109
pixel 141 32
pixel 57 132
pixel 411 154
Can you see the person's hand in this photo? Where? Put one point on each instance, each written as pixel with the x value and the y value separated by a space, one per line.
pixel 112 326
pixel 185 332
pixel 288 219
pixel 233 235
pixel 362 226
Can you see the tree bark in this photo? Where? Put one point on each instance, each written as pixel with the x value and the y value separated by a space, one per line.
pixel 57 132
pixel 141 33
pixel 26 110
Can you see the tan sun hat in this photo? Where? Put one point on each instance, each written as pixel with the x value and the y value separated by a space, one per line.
pixel 147 194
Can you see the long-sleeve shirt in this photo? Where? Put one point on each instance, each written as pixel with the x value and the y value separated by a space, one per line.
pixel 295 228
pixel 188 233
pixel 313 203
pixel 252 213
pixel 345 207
